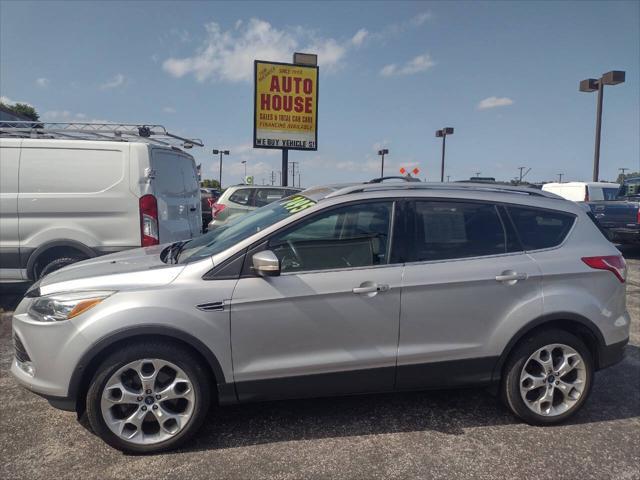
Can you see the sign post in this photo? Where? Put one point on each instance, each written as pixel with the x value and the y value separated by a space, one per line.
pixel 286 107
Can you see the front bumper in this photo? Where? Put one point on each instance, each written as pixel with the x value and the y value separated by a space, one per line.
pixel 45 355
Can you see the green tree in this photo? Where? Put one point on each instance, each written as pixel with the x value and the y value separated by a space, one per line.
pixel 24 110
pixel 621 177
pixel 208 183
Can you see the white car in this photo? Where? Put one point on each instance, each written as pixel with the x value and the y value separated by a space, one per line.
pixel 77 191
pixel 584 191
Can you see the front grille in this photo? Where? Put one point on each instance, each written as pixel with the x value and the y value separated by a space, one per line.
pixel 20 352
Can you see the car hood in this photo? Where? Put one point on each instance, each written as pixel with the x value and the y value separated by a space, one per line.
pixel 138 268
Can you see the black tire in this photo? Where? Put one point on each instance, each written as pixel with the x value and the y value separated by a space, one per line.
pixel 510 388
pixel 57 264
pixel 176 354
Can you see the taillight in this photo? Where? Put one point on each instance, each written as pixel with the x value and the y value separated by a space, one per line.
pixel 586 193
pixel 216 208
pixel 149 220
pixel 638 216
pixel 613 263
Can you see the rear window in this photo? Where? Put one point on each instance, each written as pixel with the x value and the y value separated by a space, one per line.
pixel 539 228
pixel 265 196
pixel 241 196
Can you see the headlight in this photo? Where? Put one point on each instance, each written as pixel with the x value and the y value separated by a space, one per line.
pixel 64 306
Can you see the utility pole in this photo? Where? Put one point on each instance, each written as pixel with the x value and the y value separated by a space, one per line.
pixel 521 174
pixel 622 170
pixel 382 153
pixel 478 174
pixel 560 175
pixel 597 85
pixel 221 152
pixel 293 172
pixel 448 176
pixel 443 134
pixel 273 177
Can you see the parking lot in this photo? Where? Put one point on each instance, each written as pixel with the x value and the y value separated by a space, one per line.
pixel 444 434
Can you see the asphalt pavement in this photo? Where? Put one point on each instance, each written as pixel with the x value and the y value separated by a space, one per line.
pixel 439 434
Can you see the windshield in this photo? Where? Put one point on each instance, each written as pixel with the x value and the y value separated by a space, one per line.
pixel 610 193
pixel 241 228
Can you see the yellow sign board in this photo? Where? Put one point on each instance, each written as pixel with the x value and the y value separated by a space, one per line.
pixel 285 106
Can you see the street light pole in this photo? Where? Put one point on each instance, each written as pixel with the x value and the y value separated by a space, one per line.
pixel 591 85
pixel 382 153
pixel 244 162
pixel 221 152
pixel 443 133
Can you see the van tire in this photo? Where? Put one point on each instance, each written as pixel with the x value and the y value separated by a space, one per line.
pixel 181 357
pixel 57 264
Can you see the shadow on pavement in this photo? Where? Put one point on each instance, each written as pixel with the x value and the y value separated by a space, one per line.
pixel 631 252
pixel 615 396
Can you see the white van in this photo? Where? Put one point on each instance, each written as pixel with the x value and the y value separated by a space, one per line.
pixel 64 200
pixel 584 191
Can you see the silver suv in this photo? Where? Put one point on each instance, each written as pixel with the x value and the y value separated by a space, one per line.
pixel 337 290
pixel 239 200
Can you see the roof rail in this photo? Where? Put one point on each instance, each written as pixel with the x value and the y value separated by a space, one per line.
pixel 396 177
pixel 367 187
pixel 119 132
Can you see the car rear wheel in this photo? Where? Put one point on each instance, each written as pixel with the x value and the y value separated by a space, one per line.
pixel 148 397
pixel 548 377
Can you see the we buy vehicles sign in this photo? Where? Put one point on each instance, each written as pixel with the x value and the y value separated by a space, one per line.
pixel 285 106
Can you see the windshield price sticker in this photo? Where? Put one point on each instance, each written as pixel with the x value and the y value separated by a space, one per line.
pixel 298 203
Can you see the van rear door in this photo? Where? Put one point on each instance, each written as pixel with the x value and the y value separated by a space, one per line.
pixel 176 189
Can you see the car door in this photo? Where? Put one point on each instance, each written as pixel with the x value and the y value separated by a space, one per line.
pixel 328 324
pixel 10 264
pixel 466 285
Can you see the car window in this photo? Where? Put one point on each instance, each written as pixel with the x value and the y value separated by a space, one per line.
pixel 265 196
pixel 449 230
pixel 610 193
pixel 539 228
pixel 241 196
pixel 345 237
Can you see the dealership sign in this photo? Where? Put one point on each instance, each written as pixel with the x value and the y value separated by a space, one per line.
pixel 285 106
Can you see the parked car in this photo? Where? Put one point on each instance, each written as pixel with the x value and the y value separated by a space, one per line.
pixel 584 191
pixel 208 197
pixel 620 217
pixel 242 199
pixel 337 290
pixel 63 200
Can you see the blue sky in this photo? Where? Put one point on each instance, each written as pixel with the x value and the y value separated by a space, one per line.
pixel 503 74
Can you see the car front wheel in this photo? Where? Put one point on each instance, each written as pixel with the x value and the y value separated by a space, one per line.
pixel 548 377
pixel 148 397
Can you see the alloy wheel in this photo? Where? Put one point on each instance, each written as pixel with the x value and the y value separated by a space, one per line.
pixel 147 401
pixel 553 380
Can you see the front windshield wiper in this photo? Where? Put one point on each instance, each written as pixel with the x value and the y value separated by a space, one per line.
pixel 173 251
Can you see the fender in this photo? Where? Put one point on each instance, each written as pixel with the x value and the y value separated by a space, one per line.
pixel 91 358
pixel 550 318
pixel 28 261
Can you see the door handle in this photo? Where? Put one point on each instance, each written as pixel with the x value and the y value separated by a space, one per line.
pixel 511 276
pixel 193 209
pixel 367 287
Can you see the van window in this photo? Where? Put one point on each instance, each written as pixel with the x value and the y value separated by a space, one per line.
pixel 345 237
pixel 67 170
pixel 448 230
pixel 538 228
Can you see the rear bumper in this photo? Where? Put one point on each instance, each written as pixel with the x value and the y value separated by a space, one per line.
pixel 625 235
pixel 609 355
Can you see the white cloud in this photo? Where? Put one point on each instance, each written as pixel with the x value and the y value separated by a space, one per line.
pixel 9 101
pixel 359 37
pixel 417 64
pixel 493 102
pixel 65 116
pixel 420 19
pixel 228 54
pixel 169 110
pixel 117 81
pixel 42 82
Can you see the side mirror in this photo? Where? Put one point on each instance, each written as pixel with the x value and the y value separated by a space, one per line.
pixel 266 264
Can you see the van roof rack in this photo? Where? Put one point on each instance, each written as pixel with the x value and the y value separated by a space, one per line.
pixel 118 132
